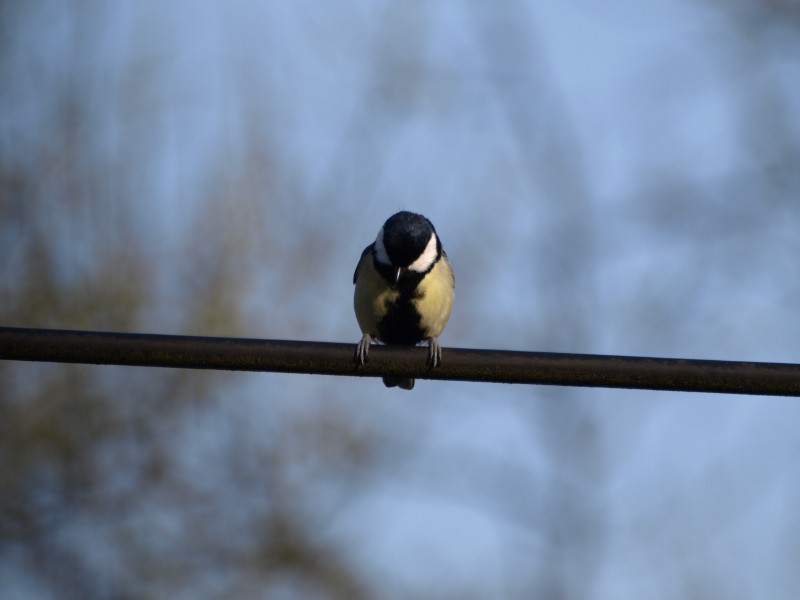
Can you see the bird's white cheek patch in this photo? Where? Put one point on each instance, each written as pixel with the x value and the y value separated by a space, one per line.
pixel 380 250
pixel 426 259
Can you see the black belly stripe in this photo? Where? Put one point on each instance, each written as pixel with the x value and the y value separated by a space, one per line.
pixel 401 323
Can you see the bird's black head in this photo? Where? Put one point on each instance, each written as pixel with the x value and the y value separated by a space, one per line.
pixel 405 237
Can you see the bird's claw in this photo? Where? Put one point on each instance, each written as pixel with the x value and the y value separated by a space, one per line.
pixel 434 353
pixel 362 349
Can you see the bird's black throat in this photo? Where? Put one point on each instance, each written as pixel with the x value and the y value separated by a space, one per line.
pixel 401 323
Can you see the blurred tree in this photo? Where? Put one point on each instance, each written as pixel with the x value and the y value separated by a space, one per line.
pixel 95 498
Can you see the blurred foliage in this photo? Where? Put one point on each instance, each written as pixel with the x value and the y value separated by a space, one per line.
pixel 93 500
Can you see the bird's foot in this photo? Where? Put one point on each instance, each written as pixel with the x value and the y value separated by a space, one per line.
pixel 362 349
pixel 434 353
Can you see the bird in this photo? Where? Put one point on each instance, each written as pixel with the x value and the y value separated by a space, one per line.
pixel 404 289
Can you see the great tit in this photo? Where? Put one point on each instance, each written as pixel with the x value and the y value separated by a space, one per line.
pixel 404 289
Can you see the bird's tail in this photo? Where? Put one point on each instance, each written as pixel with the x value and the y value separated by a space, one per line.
pixel 401 382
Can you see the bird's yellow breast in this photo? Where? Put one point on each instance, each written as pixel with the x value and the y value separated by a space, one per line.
pixel 434 298
pixel 373 296
pixel 431 301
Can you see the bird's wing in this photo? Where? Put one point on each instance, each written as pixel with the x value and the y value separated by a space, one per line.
pixel 364 254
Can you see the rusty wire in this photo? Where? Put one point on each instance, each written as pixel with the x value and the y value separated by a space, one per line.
pixel 496 366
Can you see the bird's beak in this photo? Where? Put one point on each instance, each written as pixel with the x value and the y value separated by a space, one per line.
pixel 399 273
